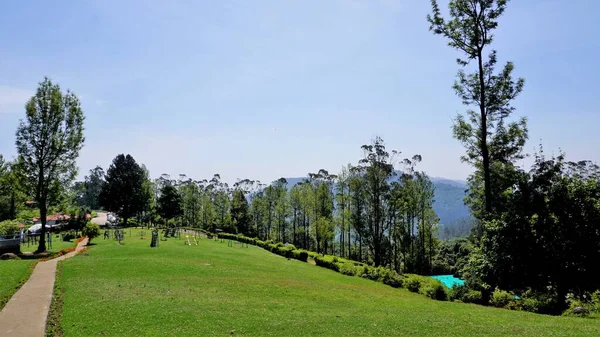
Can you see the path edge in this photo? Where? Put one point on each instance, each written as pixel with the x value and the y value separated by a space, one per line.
pixel 4 301
pixel 52 327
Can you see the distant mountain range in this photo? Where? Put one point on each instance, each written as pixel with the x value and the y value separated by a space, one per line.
pixel 448 201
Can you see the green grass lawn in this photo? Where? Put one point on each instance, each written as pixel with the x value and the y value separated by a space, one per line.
pixel 13 273
pixel 57 245
pixel 215 290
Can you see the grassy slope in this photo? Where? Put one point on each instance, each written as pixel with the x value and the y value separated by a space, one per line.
pixel 212 289
pixel 13 273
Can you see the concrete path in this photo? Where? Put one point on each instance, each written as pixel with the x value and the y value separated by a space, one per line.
pixel 100 219
pixel 26 312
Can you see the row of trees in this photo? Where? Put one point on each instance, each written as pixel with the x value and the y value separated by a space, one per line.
pixel 368 212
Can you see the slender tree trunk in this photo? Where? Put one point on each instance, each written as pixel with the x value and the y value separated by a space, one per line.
pixel 294 229
pixel 349 248
pixel 43 217
pixel 430 248
pixel 484 146
pixel 360 248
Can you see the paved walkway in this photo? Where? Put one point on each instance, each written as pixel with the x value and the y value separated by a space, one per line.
pixel 26 312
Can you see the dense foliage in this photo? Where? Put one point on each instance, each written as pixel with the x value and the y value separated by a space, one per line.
pixel 8 227
pixel 123 192
pixel 91 230
pixel 536 232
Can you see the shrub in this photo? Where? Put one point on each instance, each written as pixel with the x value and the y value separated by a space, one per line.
pixel 370 273
pixel 595 301
pixel 91 230
pixel 412 284
pixel 465 294
pixel 299 254
pixel 472 296
pixel 436 292
pixel 68 236
pixel 9 227
pixel 501 298
pixel 327 262
pixel 539 303
pixel 347 269
pixel 392 279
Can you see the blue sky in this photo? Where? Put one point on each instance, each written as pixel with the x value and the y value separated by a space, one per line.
pixel 263 89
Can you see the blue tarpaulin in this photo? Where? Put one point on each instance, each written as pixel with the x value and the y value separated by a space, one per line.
pixel 449 280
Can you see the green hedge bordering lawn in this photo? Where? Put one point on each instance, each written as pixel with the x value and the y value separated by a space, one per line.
pixel 420 284
pixel 289 251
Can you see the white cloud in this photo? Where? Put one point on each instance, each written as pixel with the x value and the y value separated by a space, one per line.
pixel 13 99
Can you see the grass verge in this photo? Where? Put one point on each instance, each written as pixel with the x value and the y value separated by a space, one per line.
pixel 53 327
pixel 13 274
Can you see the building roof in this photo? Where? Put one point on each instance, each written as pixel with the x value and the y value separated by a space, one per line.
pixel 61 217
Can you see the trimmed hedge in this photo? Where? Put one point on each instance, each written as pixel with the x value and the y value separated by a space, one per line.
pixel 289 251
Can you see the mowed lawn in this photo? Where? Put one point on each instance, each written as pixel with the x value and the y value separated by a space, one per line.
pixel 215 290
pixel 57 245
pixel 13 273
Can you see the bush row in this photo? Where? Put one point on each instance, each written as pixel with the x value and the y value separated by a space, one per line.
pixel 287 250
pixel 531 302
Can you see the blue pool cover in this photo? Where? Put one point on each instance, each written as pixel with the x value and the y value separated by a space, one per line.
pixel 449 280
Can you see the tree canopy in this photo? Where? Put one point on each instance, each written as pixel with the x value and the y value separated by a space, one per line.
pixel 169 203
pixel 123 192
pixel 48 143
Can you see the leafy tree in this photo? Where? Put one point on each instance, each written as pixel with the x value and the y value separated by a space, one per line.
pixel 190 198
pixel 9 227
pixel 207 207
pixel 490 140
pixel 169 203
pixel 48 143
pixel 343 210
pixel 93 186
pixel 282 207
pixel 549 237
pixel 377 170
pixel 148 206
pixel 356 189
pixel 258 208
pixel 11 196
pixel 91 230
pixel 123 192
pixel 296 208
pixel 222 203
pixel 324 230
pixel 240 215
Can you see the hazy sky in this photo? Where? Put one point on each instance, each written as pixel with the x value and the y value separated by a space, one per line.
pixel 263 89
